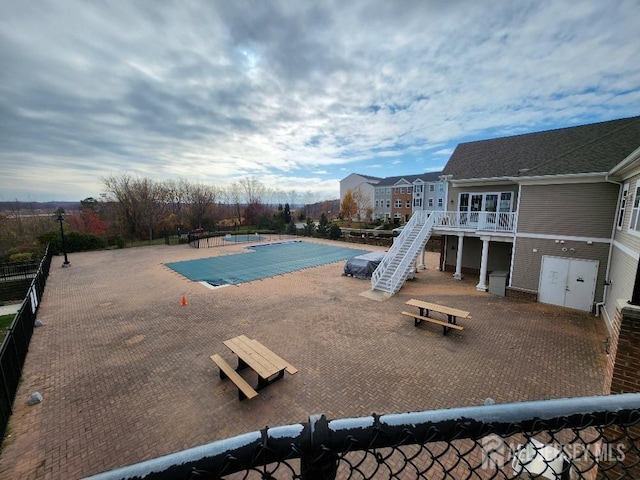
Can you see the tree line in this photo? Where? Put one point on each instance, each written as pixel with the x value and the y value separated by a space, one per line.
pixel 138 208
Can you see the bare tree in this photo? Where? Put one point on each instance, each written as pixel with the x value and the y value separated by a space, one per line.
pixel 202 201
pixel 119 189
pixel 150 195
pixel 234 195
pixel 176 200
pixel 252 189
pixel 292 198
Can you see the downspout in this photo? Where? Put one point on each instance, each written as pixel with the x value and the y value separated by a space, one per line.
pixel 515 235
pixel 601 304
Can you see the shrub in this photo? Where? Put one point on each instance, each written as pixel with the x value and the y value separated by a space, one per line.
pixel 74 242
pixel 21 257
pixel 334 232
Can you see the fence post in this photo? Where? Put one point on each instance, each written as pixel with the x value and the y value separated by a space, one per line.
pixel 324 463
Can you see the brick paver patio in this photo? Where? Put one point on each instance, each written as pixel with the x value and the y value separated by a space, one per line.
pixel 126 376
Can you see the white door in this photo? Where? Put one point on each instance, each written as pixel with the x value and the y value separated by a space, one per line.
pixel 568 282
pixel 553 280
pixel 581 284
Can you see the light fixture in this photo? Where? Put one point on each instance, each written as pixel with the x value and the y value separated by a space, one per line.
pixel 64 248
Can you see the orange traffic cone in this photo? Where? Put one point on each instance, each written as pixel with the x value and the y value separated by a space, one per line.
pixel 183 302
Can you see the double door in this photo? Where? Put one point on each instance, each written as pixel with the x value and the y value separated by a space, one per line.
pixel 568 282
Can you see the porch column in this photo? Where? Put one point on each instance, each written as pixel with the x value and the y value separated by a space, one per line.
pixel 458 274
pixel 421 265
pixel 482 284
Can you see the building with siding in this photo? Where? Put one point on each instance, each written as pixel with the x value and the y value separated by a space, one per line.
pixel 364 183
pixel 543 207
pixel 623 282
pixel 396 198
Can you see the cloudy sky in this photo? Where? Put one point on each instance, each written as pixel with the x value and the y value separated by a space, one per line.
pixel 296 93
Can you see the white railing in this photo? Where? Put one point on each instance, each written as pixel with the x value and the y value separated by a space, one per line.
pixel 406 247
pixel 485 221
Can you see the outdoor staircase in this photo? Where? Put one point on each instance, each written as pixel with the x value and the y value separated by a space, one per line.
pixel 398 263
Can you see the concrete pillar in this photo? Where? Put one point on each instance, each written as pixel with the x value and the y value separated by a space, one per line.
pixel 458 274
pixel 482 284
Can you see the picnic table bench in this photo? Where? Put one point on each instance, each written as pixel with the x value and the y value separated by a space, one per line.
pixel 251 353
pixel 425 307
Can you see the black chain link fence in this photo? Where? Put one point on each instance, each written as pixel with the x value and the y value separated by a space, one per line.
pixel 579 438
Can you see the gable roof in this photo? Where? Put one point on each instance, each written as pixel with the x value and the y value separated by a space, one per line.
pixel 592 148
pixel 425 177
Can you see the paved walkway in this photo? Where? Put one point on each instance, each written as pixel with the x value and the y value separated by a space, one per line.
pixel 126 376
pixel 10 309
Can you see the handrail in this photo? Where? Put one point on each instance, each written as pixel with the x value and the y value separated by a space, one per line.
pixel 422 220
pixel 479 221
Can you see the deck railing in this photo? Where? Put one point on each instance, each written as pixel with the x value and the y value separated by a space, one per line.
pixel 577 438
pixel 483 221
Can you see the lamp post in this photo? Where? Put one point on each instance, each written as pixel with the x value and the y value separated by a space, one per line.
pixel 64 248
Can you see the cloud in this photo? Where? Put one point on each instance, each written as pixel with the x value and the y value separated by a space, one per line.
pixel 215 91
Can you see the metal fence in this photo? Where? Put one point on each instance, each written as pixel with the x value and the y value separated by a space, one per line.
pixel 578 438
pixel 15 345
pixel 208 240
pixel 18 271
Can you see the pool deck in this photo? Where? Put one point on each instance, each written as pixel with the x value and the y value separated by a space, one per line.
pixel 125 373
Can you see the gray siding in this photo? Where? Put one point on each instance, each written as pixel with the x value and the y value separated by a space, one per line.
pixel 526 264
pixel 575 209
pixel 622 274
pixel 623 236
pixel 454 193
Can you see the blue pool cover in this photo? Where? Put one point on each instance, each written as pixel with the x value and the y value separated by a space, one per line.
pixel 262 261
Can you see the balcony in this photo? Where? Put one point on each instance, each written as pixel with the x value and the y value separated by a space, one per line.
pixel 500 222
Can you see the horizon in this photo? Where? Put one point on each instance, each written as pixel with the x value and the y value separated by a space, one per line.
pixel 296 95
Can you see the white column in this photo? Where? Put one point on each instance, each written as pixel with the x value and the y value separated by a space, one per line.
pixel 458 274
pixel 482 284
pixel 421 265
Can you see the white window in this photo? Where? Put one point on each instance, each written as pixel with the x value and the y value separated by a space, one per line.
pixel 432 187
pixel 439 202
pixel 417 202
pixel 431 202
pixel 408 203
pixel 398 203
pixel 634 223
pixel 623 206
pixel 388 203
pixel 377 203
pixel 418 188
pixel 441 187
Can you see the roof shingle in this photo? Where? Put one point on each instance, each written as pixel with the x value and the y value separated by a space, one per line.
pixel 591 148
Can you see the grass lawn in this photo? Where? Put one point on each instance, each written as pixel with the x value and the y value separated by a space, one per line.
pixel 5 323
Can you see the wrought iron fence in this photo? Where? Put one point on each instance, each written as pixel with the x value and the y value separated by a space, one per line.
pixel 15 345
pixel 578 438
pixel 209 240
pixel 18 271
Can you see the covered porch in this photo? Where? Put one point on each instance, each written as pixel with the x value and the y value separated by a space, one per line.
pixel 476 242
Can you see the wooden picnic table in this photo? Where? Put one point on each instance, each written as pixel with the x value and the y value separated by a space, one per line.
pixel 251 353
pixel 425 307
